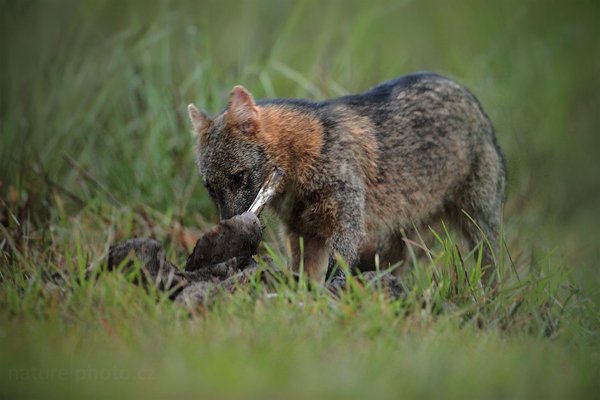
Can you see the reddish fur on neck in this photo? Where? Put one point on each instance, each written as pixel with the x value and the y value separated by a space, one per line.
pixel 293 139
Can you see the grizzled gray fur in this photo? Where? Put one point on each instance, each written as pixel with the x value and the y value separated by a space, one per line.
pixel 361 171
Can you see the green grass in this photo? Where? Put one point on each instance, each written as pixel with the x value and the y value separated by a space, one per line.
pixel 95 148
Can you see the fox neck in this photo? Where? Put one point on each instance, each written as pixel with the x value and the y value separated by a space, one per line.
pixel 293 140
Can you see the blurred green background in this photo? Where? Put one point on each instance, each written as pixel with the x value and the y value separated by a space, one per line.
pixel 93 122
pixel 105 84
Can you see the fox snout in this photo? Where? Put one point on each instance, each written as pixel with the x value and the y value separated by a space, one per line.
pixel 230 203
pixel 226 212
pixel 224 203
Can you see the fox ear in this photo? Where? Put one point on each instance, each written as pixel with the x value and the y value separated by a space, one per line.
pixel 242 110
pixel 200 121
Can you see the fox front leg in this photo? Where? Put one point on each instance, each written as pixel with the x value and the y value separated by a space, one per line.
pixel 349 235
pixel 313 256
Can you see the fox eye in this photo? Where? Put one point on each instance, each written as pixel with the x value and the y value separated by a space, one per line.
pixel 238 177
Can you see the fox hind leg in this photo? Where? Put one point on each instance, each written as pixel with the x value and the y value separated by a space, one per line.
pixel 481 200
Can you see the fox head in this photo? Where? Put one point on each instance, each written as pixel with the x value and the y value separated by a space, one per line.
pixel 232 162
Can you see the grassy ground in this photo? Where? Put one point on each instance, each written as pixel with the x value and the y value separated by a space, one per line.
pixel 94 148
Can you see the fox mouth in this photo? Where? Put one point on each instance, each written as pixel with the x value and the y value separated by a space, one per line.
pixel 267 191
